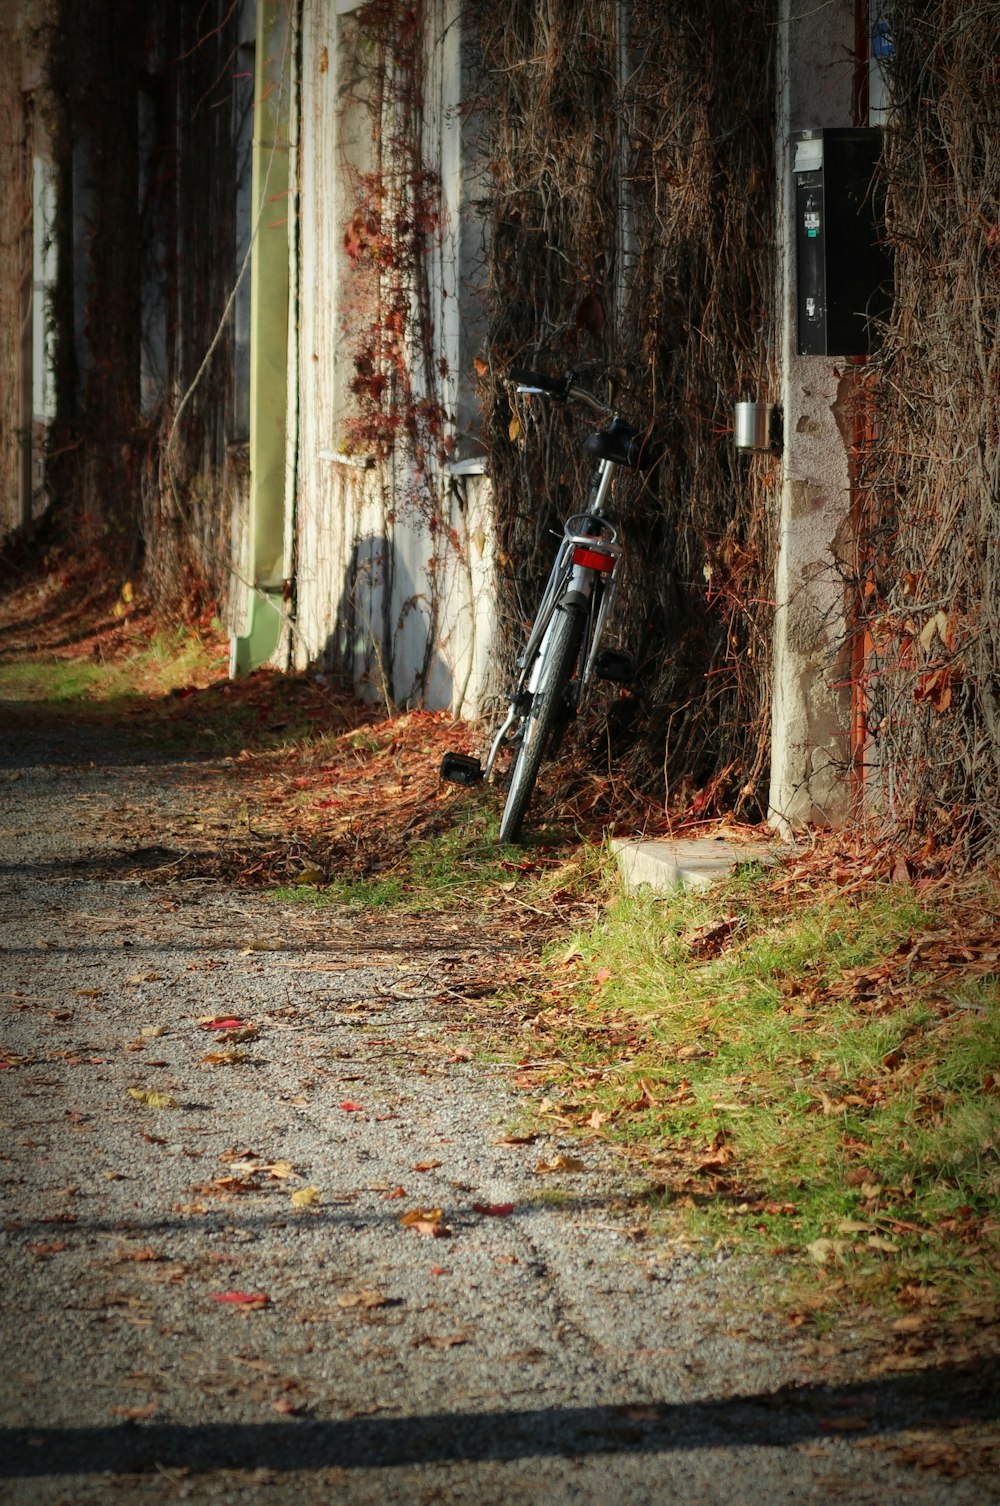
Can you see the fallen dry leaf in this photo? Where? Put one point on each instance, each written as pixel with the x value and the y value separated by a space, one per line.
pixel 560 1163
pixel 426 1221
pixel 426 1165
pixel 823 1251
pixel 306 1197
pixel 494 1210
pixel 366 1297
pixel 352 1108
pixel 438 1341
pixel 638 1412
pixel 280 1170
pixel 221 1022
pixel 910 1323
pixel 224 1186
pixel 153 1098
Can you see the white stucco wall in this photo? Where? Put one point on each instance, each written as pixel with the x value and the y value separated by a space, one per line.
pixel 365 582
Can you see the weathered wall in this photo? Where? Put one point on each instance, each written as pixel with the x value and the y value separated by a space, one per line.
pixel 810 754
pixel 390 553
pixel 15 277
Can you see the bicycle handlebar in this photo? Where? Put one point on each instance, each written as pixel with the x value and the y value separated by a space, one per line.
pixel 560 387
pixel 524 377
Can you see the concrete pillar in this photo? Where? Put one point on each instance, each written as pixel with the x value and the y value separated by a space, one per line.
pixel 269 325
pixel 811 702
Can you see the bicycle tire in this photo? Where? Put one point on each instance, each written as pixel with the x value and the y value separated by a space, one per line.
pixel 540 722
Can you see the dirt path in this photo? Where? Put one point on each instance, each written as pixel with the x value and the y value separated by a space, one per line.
pixel 302 1257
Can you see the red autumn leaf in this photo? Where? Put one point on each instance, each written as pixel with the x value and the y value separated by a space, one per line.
pixel 602 975
pixel 52 1248
pixel 426 1221
pixel 590 316
pixel 248 1301
pixel 352 1108
pixel 287 1407
pixel 222 1022
pixel 494 1210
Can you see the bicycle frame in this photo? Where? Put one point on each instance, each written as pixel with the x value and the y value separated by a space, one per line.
pixel 586 565
pixel 563 654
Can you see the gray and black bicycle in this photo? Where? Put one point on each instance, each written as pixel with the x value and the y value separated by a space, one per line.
pixel 563 655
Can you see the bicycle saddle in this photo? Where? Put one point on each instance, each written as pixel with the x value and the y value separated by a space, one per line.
pixel 622 444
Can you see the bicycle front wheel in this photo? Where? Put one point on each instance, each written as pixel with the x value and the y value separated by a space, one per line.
pixel 547 705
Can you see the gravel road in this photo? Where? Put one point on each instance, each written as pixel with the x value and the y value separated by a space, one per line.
pixel 209 1290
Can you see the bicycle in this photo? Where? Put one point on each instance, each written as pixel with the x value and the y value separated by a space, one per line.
pixel 563 654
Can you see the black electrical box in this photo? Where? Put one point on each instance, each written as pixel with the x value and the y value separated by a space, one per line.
pixel 844 269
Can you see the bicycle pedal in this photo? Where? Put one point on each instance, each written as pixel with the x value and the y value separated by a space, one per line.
pixel 459 768
pixel 616 665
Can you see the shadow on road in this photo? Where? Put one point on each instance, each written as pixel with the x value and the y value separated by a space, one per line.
pixel 779 1419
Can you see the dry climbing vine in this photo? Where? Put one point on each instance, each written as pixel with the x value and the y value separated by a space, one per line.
pixel 389 240
pixel 927 578
pixel 630 232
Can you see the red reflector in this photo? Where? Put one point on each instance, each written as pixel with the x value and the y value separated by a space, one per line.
pixel 593 559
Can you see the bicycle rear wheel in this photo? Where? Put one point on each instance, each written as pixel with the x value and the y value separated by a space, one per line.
pixel 548 704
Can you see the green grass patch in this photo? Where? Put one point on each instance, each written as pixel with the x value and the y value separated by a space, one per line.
pixel 461 865
pixel 799 1069
pixel 169 660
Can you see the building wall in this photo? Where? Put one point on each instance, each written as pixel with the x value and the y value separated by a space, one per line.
pixel 27 269
pixel 15 219
pixel 404 603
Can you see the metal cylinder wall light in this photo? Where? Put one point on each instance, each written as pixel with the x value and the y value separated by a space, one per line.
pixel 756 427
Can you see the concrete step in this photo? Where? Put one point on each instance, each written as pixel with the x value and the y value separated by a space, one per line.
pixel 694 862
